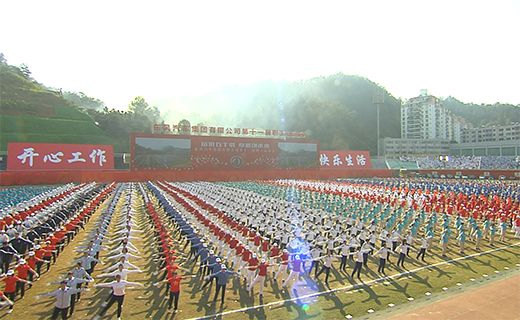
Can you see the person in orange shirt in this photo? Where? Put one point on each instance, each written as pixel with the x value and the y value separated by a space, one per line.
pixel 23 269
pixel 32 261
pixel 56 242
pixel 49 252
pixel 175 288
pixel 10 286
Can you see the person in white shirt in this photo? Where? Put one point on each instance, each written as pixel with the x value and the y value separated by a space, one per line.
pixel 124 262
pixel 403 252
pixel 396 237
pixel 63 298
pixel 344 250
pixel 359 261
pixel 383 257
pixel 118 294
pixel 120 271
pixel 327 265
pixel 316 252
pixel 124 253
pixel 424 247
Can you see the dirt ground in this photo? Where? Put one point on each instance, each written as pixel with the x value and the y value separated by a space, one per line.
pixel 496 300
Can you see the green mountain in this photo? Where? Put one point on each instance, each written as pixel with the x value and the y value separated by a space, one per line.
pixel 30 113
pixel 484 114
pixel 336 110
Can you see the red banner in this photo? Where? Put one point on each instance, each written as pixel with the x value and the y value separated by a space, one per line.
pixel 167 152
pixel 54 156
pixel 345 160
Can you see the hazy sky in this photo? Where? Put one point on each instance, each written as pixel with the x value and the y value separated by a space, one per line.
pixel 116 50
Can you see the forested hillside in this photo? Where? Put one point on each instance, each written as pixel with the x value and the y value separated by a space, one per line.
pixel 336 110
pixel 484 114
pixel 31 112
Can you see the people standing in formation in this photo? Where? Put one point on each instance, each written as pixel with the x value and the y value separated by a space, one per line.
pixel 258 229
pixel 64 299
pixel 174 281
pixel 34 232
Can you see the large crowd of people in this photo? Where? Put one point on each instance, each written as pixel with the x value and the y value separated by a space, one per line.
pixel 254 234
pixel 465 162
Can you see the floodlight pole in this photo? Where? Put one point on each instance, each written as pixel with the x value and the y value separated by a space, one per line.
pixel 378 99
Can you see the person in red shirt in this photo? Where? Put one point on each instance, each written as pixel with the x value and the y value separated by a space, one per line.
pixel 56 242
pixel 251 268
pixel 233 242
pixel 251 239
pixel 246 255
pixel 10 286
pixel 32 261
pixel 238 255
pixel 170 269
pixel 257 241
pixel 265 248
pixel 274 253
pixel 49 252
pixel 23 269
pixel 175 288
pixel 260 277
pixel 283 266
pixel 38 254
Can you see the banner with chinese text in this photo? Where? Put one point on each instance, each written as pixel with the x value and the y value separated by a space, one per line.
pixel 184 152
pixel 57 156
pixel 345 160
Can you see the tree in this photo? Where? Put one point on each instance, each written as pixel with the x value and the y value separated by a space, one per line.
pixel 83 101
pixel 25 71
pixel 139 106
pixel 184 127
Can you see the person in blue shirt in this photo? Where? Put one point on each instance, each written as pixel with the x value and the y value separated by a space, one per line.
pixel 492 233
pixel 486 225
pixel 503 230
pixel 203 253
pixel 222 278
pixel 462 240
pixel 478 237
pixel 445 238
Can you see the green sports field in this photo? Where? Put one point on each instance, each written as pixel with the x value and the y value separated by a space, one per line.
pixel 342 298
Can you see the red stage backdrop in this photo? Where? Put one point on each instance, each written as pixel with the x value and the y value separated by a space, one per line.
pixel 345 160
pixel 203 153
pixel 55 156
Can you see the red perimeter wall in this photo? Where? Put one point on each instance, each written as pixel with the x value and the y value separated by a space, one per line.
pixel 9 178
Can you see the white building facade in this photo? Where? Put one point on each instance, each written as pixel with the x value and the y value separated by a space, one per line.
pixel 424 117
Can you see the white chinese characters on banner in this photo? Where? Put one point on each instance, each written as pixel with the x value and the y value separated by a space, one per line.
pixel 100 154
pixel 324 160
pixel 77 157
pixel 361 160
pixel 349 160
pixel 53 157
pixel 337 160
pixel 29 154
pixel 344 159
